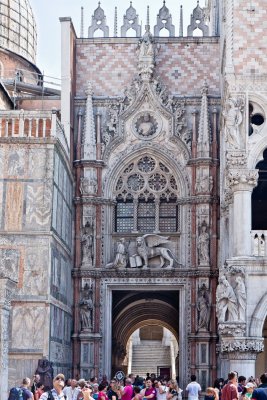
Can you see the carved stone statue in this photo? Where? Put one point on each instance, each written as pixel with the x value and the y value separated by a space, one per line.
pixel 121 255
pixel 203 246
pixel 88 244
pixel 146 57
pixel 233 119
pixel 86 308
pixel 226 301
pixel 241 296
pixel 203 307
pixel 148 247
pixel 45 370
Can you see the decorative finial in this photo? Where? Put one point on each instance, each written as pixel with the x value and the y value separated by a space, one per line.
pixel 82 23
pixel 116 22
pixel 181 29
pixel 147 16
pixel 99 4
pixel 131 3
pixel 164 2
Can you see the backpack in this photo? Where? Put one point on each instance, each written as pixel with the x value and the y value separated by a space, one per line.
pixel 16 393
pixel 51 397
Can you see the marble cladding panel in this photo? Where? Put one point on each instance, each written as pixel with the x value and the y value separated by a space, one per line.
pixel 20 366
pixel 26 176
pixel 61 276
pixel 30 327
pixel 183 66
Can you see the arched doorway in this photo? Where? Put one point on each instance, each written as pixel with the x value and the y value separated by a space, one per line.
pixel 152 349
pixel 134 310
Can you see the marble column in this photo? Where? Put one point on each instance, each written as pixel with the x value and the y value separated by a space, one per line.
pixel 242 182
pixel 6 288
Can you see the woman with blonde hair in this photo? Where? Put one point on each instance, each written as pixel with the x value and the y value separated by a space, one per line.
pixel 174 393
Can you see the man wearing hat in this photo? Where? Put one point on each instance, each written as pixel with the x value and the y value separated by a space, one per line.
pixel 57 392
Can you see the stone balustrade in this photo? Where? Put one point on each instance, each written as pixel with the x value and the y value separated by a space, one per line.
pixel 259 243
pixel 32 124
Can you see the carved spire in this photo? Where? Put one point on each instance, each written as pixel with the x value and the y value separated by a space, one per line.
pixel 131 21
pixel 203 143
pixel 198 22
pixel 181 28
pixel 164 21
pixel 116 22
pixel 98 22
pixel 146 58
pixel 82 23
pixel 89 135
pixel 147 17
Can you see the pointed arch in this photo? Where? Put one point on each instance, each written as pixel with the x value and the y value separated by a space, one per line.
pixel 258 317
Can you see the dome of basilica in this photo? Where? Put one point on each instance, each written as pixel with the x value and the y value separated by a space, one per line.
pixel 18 28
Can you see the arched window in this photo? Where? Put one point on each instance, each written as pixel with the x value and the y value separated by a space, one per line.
pixel 146 195
pixel 259 197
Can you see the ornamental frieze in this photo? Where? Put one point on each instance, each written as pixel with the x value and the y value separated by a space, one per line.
pixel 244 345
pixel 242 177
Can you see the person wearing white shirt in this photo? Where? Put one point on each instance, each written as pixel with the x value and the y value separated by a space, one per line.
pixel 193 389
pixel 71 391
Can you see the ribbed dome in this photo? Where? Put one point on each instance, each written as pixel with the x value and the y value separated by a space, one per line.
pixel 18 28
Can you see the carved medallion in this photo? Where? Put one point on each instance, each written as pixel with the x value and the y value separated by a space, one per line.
pixel 146 125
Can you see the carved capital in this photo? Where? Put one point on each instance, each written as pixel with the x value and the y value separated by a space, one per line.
pixel 241 345
pixel 242 179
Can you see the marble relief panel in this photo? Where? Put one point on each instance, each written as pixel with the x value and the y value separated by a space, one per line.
pixel 29 327
pixel 35 276
pixel 38 206
pixel 16 162
pixel 1 200
pixel 10 263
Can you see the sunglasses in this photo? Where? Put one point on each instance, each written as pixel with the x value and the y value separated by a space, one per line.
pixel 59 379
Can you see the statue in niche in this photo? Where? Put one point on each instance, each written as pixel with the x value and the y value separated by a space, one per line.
pixel 204 184
pixel 203 307
pixel 233 119
pixel 241 296
pixel 86 308
pixel 45 370
pixel 226 301
pixel 203 245
pixel 148 247
pixel 121 255
pixel 88 244
pixel 146 57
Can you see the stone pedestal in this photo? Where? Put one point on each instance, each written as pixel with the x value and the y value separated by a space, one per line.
pixel 6 288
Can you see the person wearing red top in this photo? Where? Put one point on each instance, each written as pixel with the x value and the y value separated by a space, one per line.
pixel 102 395
pixel 230 391
pixel 150 392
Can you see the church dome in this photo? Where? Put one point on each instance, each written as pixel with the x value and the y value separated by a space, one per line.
pixel 18 28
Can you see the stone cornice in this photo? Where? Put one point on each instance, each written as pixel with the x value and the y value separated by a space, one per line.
pixel 138 273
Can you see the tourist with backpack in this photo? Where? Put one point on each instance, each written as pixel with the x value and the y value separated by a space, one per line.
pixel 23 392
pixel 57 392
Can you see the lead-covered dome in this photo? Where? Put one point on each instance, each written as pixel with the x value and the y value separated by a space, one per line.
pixel 18 28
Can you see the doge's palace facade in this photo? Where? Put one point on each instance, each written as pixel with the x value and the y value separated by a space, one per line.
pixel 148 188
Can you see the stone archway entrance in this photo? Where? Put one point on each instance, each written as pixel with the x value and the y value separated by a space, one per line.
pixel 136 309
pixel 261 360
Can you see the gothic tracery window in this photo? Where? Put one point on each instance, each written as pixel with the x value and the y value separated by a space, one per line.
pixel 146 198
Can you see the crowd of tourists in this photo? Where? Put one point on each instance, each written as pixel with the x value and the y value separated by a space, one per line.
pixel 136 388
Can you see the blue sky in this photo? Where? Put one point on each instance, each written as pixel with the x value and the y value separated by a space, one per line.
pixel 47 13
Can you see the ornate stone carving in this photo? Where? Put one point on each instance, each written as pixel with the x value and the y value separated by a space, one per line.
pixel 198 22
pixel 146 56
pixel 88 183
pixel 204 183
pixel 86 308
pixel 236 159
pixel 98 22
pixel 233 119
pixel 244 345
pixel 203 307
pixel 148 247
pixel 232 329
pixel 243 177
pixel 9 263
pixel 130 21
pixel 87 241
pixel 121 258
pixel 203 245
pixel 226 306
pixel 241 296
pixel 45 370
pixel 146 125
pixel 164 21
